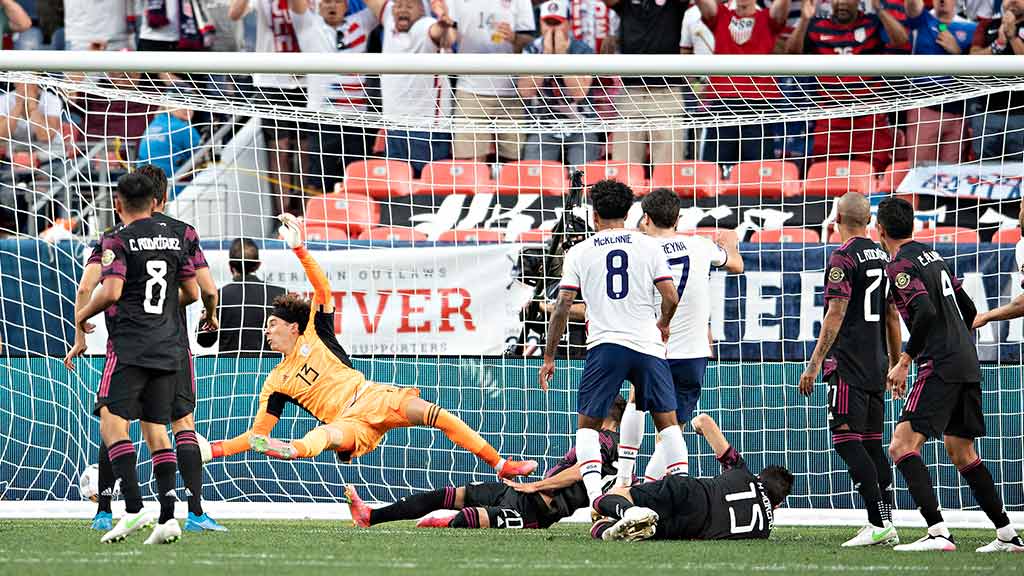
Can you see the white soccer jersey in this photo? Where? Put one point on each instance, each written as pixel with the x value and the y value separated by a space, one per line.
pixel 478 22
pixel 335 91
pixel 419 95
pixel 695 33
pixel 690 258
pixel 275 32
pixel 615 271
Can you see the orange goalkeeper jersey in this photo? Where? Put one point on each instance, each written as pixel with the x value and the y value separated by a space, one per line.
pixel 317 375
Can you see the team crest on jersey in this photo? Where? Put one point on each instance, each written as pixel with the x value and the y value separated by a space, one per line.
pixel 836 274
pixel 741 29
pixel 107 258
pixel 902 280
pixel 860 34
pixel 305 350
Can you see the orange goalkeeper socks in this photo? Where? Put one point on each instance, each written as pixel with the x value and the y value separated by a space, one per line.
pixel 460 433
pixel 313 443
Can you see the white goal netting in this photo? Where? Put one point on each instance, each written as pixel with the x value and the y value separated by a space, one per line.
pixel 439 205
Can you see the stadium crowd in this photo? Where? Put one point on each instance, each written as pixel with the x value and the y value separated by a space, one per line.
pixel 41 127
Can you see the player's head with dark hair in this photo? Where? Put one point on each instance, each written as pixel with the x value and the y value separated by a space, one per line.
pixel 243 257
pixel 777 482
pixel 159 179
pixel 611 200
pixel 616 411
pixel 895 220
pixel 287 320
pixel 134 195
pixel 661 208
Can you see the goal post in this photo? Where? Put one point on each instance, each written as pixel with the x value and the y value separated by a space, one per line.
pixel 442 235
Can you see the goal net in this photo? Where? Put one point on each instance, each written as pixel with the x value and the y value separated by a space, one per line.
pixel 437 194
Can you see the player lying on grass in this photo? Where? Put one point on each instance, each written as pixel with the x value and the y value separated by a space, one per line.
pixel 736 504
pixel 190 465
pixel 496 505
pixel 317 375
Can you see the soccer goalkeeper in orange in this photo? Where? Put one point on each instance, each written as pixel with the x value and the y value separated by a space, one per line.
pixel 317 375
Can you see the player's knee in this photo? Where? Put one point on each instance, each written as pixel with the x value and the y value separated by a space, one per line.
pixel 961 454
pixel 184 424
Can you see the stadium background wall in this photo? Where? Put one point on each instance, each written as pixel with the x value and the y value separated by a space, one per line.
pixel 51 436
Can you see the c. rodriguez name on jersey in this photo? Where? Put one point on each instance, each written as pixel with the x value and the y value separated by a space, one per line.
pixel 157 243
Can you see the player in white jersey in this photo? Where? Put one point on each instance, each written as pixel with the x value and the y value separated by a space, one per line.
pixel 619 273
pixel 690 258
pixel 1015 309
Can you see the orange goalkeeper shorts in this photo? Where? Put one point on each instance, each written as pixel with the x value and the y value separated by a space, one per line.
pixel 377 409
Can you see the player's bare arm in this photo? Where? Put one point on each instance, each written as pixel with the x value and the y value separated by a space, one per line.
pixel 1015 309
pixel 669 303
pixel 86 286
pixel 706 426
pixel 563 479
pixel 556 327
pixel 728 240
pixel 893 333
pixel 830 326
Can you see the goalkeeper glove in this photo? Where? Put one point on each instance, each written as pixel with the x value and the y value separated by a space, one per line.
pixel 290 231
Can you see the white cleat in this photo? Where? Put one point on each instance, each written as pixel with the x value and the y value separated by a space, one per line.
pixel 928 544
pixel 127 525
pixel 637 523
pixel 874 536
pixel 997 545
pixel 165 533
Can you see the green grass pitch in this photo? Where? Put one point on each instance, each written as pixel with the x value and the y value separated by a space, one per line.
pixel 305 548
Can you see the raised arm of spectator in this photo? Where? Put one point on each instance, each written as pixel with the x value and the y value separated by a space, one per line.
pixel 780 11
pixel 17 19
pixel 914 8
pixel 237 9
pixel 1012 37
pixel 298 6
pixel 795 44
pixel 708 11
pixel 376 6
pixel 443 32
pixel 897 33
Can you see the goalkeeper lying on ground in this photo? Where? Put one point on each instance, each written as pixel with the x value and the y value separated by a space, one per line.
pixel 496 505
pixel 317 375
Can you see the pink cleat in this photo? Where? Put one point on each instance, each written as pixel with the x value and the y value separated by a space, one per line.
pixel 437 519
pixel 513 468
pixel 360 511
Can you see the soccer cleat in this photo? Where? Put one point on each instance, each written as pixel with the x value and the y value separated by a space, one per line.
pixel 637 523
pixel 359 510
pixel 165 533
pixel 873 536
pixel 998 545
pixel 927 544
pixel 202 524
pixel 271 447
pixel 437 519
pixel 513 468
pixel 128 525
pixel 103 521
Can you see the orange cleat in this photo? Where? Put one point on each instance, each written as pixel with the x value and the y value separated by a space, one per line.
pixel 513 468
pixel 438 519
pixel 360 511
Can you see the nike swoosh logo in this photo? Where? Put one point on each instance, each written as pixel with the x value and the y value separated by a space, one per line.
pixel 877 536
pixel 134 521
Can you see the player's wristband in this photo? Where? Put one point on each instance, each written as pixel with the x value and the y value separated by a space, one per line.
pixel 217 449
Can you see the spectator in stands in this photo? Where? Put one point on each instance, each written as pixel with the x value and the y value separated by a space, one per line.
pixel 407 30
pixel 695 38
pixel 333 29
pixel 851 31
pixel 594 24
pixel 245 303
pixel 97 25
pixel 275 32
pixel 936 133
pixel 169 142
pixel 650 27
pixel 559 97
pixel 998 123
pixel 30 120
pixel 13 19
pixel 115 118
pixel 170 25
pixel 489 27
pixel 745 29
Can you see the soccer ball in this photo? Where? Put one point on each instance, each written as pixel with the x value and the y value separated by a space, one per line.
pixel 89 483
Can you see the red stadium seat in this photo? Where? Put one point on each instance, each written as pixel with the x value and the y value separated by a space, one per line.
pixel 534 236
pixel 24 159
pixel 1007 236
pixel 353 213
pixel 890 180
pixel 764 179
pixel 321 231
pixel 687 178
pixel 533 177
pixel 837 177
pixel 474 236
pixel 631 175
pixel 947 234
pixel 455 176
pixel 379 178
pixel 786 236
pixel 395 233
pixel 836 238
pixel 709 233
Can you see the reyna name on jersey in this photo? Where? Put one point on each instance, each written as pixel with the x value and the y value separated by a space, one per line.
pixel 673 247
pixel 158 243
